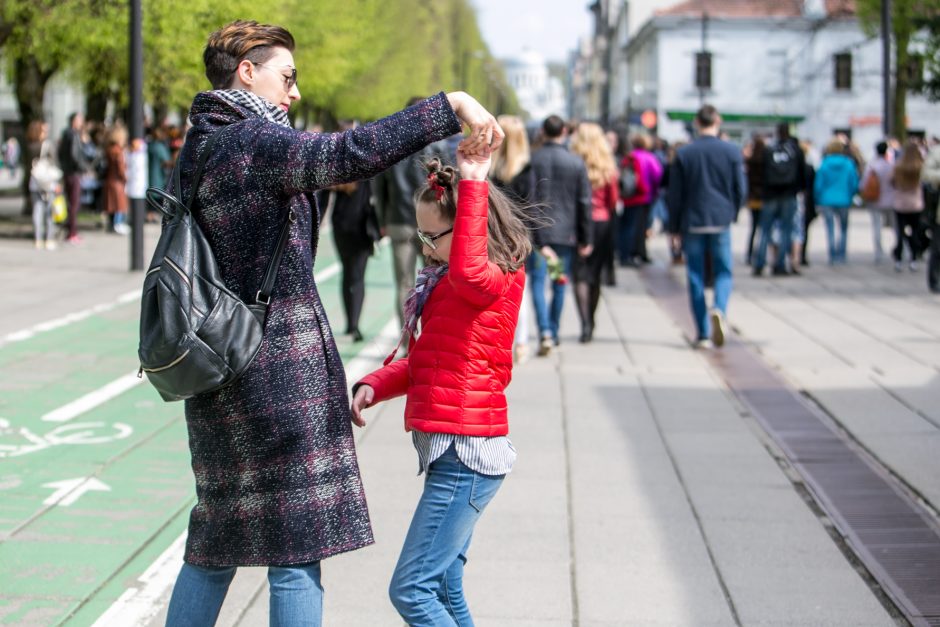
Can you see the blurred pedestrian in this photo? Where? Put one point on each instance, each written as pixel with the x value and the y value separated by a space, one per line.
pixel 394 191
pixel 277 481
pixel 808 196
pixel 115 180
pixel 908 203
pixel 355 232
pixel 11 155
pixel 454 379
pixel 563 195
pixel 706 189
pixel 931 177
pixel 590 144
pixel 636 205
pixel 784 172
pixel 834 188
pixel 74 164
pixel 45 182
pixel 754 167
pixel 511 171
pixel 878 193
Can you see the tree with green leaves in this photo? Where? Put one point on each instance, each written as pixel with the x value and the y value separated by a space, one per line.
pixel 907 19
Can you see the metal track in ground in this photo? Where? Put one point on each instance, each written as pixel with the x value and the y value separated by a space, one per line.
pixel 893 536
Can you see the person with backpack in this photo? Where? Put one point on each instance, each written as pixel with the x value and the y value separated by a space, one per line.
pixel 277 480
pixel 834 188
pixel 638 198
pixel 784 171
pixel 878 193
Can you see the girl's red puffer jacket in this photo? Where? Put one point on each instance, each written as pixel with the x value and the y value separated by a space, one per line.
pixel 458 368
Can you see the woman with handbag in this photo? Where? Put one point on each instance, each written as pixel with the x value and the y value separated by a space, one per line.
pixel 277 481
pixel 45 182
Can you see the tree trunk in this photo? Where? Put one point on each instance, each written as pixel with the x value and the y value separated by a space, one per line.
pixel 30 89
pixel 96 106
pixel 901 86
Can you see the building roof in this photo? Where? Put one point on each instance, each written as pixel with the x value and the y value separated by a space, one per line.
pixel 755 8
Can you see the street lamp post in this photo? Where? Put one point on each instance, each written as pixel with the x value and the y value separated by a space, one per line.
pixel 138 208
pixel 887 112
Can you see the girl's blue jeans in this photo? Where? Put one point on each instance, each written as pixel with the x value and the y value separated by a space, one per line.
pixel 296 596
pixel 836 242
pixel 427 587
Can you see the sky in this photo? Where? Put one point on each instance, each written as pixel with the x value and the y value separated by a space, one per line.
pixel 550 27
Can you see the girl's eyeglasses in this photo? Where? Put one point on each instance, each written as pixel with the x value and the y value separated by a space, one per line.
pixel 289 81
pixel 428 240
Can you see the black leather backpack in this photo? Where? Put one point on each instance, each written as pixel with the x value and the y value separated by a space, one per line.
pixel 196 335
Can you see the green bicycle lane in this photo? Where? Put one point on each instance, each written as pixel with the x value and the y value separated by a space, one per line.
pixel 89 502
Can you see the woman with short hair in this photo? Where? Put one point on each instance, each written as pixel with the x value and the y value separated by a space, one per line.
pixel 277 481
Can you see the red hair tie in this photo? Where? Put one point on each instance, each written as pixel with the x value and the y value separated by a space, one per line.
pixel 437 187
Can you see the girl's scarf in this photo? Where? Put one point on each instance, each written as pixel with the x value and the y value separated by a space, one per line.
pixel 427 280
pixel 255 104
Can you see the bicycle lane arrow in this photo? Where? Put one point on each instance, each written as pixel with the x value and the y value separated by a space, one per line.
pixel 68 491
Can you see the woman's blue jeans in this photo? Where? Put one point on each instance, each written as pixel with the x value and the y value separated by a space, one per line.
pixel 719 245
pixel 427 587
pixel 296 596
pixel 836 244
pixel 548 316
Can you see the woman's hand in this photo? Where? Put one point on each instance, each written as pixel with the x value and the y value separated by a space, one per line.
pixel 484 131
pixel 361 400
pixel 473 167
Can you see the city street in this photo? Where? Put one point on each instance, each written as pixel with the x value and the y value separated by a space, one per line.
pixel 655 485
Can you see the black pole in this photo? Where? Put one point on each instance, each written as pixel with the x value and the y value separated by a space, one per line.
pixel 138 207
pixel 887 109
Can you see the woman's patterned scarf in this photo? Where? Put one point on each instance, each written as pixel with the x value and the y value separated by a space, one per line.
pixel 427 280
pixel 254 103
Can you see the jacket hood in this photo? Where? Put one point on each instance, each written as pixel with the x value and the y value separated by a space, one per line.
pixel 840 163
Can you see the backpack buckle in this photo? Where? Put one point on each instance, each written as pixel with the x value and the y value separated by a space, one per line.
pixel 262 299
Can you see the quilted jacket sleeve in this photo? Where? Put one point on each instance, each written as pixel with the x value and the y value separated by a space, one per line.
pixel 474 277
pixel 302 162
pixel 387 382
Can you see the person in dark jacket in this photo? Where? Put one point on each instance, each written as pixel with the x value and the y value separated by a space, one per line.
pixel 784 178
pixel 563 193
pixel 706 189
pixel 73 163
pixel 394 191
pixel 277 481
pixel 355 231
pixel 754 166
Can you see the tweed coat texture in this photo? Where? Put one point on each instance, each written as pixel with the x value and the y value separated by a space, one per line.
pixel 277 480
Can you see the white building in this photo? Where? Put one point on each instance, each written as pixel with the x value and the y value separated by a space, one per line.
pixel 759 62
pixel 539 93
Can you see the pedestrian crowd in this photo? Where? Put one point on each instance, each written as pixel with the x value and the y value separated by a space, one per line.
pixel 93 166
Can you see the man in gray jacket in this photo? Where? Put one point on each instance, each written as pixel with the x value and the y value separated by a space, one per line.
pixel 563 194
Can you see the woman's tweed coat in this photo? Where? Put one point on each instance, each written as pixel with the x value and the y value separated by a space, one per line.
pixel 277 479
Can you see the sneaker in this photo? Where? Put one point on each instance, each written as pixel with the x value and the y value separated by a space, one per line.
pixel 38 245
pixel 545 346
pixel 757 271
pixel 913 266
pixel 897 266
pixel 702 344
pixel 122 229
pixel 50 245
pixel 520 354
pixel 719 328
pixel 73 239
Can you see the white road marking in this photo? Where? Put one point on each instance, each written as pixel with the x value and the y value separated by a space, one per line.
pixel 68 491
pixel 93 399
pixel 49 325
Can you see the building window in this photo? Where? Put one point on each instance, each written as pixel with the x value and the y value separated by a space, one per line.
pixel 703 70
pixel 843 74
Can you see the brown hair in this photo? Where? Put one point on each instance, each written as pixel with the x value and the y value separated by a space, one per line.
pixel 34 132
pixel 240 40
pixel 907 170
pixel 508 242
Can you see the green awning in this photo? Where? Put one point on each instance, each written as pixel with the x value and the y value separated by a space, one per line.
pixel 767 118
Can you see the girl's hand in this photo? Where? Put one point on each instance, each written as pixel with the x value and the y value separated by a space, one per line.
pixel 361 400
pixel 473 167
pixel 484 130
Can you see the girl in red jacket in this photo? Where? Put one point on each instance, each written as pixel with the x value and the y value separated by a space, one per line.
pixel 461 319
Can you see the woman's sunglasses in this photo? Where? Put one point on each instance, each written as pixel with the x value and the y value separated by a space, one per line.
pixel 428 240
pixel 289 81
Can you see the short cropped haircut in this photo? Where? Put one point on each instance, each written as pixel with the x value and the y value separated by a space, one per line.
pixel 553 127
pixel 707 116
pixel 240 40
pixel 882 148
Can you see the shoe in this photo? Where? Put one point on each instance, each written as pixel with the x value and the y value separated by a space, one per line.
pixel 757 271
pixel 719 328
pixel 356 335
pixel 520 354
pixel 50 245
pixel 122 229
pixel 702 344
pixel 912 266
pixel 73 239
pixel 545 346
pixel 897 266
pixel 587 333
pixel 38 245
pixel 794 272
pixel 780 272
